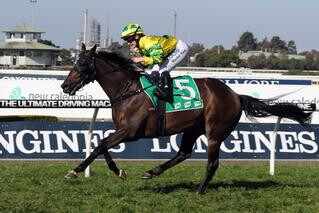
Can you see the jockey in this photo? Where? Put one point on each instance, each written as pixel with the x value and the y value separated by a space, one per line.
pixel 160 53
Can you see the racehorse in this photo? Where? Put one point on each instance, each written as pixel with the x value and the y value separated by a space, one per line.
pixel 135 117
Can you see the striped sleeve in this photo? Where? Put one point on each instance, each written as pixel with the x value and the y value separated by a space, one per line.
pixel 155 53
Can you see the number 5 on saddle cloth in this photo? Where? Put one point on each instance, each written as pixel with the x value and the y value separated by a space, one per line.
pixel 185 97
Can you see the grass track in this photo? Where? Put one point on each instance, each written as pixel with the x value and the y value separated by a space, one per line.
pixel 40 187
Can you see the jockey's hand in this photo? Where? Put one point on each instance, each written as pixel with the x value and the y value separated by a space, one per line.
pixel 137 59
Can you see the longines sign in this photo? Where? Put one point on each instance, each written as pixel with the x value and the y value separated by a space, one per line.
pixel 66 140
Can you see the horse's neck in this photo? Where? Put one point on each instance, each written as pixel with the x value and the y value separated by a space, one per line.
pixel 114 83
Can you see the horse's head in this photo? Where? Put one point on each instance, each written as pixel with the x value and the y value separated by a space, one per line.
pixel 82 73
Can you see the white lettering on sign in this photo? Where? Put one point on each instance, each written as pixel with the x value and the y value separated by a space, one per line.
pixel 28 141
pixel 35 144
pixel 250 81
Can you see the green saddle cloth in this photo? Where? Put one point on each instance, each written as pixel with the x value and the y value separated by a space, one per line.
pixel 185 93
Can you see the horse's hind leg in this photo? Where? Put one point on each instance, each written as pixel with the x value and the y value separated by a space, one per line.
pixel 215 136
pixel 188 139
pixel 212 164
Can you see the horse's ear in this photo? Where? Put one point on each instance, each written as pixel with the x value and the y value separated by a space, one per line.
pixel 92 50
pixel 83 47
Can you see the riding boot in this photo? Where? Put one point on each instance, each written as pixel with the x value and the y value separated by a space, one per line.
pixel 155 77
pixel 166 86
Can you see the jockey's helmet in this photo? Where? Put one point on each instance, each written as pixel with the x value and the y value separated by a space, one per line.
pixel 131 30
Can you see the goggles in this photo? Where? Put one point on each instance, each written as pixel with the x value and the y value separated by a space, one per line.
pixel 130 39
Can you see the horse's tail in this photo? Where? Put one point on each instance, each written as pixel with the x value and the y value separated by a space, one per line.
pixel 254 107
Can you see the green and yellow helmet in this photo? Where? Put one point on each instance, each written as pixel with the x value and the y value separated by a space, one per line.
pixel 131 30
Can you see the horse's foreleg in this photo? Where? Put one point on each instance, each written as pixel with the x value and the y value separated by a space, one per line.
pixel 188 140
pixel 102 148
pixel 110 163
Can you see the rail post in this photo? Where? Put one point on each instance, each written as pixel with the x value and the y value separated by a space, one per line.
pixel 88 139
pixel 273 148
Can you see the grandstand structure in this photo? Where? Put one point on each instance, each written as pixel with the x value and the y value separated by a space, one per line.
pixel 22 48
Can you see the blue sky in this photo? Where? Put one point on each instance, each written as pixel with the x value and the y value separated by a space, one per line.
pixel 209 22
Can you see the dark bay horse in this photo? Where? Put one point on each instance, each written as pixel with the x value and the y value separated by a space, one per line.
pixel 134 115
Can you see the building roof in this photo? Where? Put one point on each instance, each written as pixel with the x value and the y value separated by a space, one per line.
pixel 23 29
pixel 28 45
pixel 246 55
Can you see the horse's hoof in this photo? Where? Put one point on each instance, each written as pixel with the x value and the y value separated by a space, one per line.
pixel 147 175
pixel 71 175
pixel 123 174
pixel 200 193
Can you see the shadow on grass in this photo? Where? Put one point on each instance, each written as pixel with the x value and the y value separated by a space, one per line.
pixel 192 187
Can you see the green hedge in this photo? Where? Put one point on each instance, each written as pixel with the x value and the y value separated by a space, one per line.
pixel 27 118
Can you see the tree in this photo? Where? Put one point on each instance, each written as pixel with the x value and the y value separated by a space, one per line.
pixel 256 62
pixel 277 45
pixel 292 48
pixel 283 62
pixel 66 58
pixel 210 56
pixel 264 45
pixel 195 49
pixel 294 64
pixel 272 62
pixel 247 42
pixel 227 58
pixel 308 63
pixel 199 60
pixel 48 42
pixel 217 56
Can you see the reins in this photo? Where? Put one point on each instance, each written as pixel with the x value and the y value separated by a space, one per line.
pixel 124 94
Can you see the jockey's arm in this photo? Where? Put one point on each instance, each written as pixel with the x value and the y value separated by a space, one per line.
pixel 138 59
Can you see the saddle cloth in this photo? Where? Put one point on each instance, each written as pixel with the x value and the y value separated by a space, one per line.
pixel 185 93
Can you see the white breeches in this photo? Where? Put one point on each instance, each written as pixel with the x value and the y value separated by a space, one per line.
pixel 173 59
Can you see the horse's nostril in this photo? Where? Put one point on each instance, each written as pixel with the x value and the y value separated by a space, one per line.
pixel 63 86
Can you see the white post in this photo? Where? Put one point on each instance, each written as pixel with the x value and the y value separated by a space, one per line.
pixel 33 4
pixel 273 148
pixel 86 14
pixel 88 141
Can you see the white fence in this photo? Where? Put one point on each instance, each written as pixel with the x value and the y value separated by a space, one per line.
pixel 41 85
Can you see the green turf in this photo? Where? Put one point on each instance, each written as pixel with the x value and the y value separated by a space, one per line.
pixel 41 187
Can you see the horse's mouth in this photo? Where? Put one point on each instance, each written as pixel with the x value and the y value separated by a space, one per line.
pixel 69 91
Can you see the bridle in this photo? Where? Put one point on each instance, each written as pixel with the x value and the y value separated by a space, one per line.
pixel 88 74
pixel 85 67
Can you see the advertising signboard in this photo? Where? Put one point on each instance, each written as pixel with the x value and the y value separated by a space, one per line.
pixel 66 140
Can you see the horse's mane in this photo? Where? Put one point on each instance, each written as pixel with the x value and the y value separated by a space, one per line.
pixel 118 59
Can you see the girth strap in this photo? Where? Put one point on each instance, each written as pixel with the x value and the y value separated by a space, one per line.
pixel 161 121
